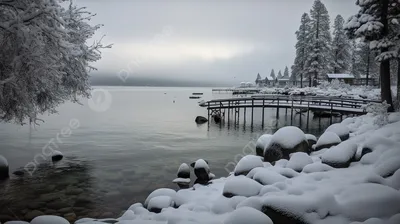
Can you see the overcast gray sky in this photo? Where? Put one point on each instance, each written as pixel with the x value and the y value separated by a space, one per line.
pixel 224 40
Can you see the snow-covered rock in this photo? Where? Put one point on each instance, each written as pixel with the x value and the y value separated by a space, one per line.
pixel 340 156
pixel 341 130
pixel 298 161
pixel 247 163
pixel 201 170
pixel 317 167
pixel 285 141
pixel 312 140
pixel 49 219
pixel 327 140
pixel 268 177
pixel 183 171
pixel 363 201
pixel 16 222
pixel 160 192
pixel 56 156
pixel 261 143
pixel 241 186
pixel 156 204
pixel 245 215
pixel 4 169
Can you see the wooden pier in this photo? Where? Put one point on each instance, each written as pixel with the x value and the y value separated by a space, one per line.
pixel 295 104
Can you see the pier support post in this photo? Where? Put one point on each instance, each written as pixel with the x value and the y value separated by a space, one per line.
pixel 277 109
pixel 263 111
pixel 252 111
pixel 308 114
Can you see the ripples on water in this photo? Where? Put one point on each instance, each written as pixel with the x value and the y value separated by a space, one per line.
pixel 117 157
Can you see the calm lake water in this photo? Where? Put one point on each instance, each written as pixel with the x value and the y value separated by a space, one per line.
pixel 118 148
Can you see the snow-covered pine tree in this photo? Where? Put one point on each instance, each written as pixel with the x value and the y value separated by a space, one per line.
pixel 377 23
pixel 280 75
pixel 302 49
pixel 272 75
pixel 258 79
pixel 44 58
pixel 286 73
pixel 319 57
pixel 340 47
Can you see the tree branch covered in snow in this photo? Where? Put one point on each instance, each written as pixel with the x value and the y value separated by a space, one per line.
pixel 44 59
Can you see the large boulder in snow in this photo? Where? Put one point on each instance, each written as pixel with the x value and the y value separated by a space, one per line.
pixel 156 204
pixel 340 156
pixel 268 177
pixel 49 219
pixel 246 215
pixel 241 186
pixel 202 171
pixel 201 120
pixel 341 130
pixel 298 161
pixel 261 143
pixel 4 170
pixel 285 141
pixel 327 140
pixel 246 164
pixel 281 217
pixel 160 192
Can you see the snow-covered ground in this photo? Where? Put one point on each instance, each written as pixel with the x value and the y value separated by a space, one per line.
pixel 334 89
pixel 365 191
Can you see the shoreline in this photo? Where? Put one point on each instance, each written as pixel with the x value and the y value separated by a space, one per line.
pixel 207 203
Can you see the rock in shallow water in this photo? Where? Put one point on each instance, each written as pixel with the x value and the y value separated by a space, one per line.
pixel 57 156
pixel 4 170
pixel 201 120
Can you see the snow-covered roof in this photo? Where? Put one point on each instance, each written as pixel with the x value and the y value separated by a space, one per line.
pixel 284 80
pixel 340 76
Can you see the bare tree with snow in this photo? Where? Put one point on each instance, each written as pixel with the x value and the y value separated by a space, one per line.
pixel 44 58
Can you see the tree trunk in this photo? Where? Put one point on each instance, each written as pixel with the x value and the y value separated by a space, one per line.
pixel 301 80
pixel 309 80
pixel 368 63
pixel 398 81
pixel 386 92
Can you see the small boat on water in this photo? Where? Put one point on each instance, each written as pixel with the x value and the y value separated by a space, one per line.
pixel 197 94
pixel 194 97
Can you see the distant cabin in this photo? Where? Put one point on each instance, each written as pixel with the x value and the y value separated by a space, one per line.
pixel 362 80
pixel 346 78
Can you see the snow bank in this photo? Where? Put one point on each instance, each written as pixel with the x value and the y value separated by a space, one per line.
pixel 247 163
pixel 362 201
pixel 247 215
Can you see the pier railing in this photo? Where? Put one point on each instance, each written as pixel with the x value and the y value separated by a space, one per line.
pixel 328 105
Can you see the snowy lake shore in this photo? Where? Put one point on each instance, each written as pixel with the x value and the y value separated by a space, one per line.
pixel 354 180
